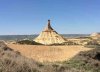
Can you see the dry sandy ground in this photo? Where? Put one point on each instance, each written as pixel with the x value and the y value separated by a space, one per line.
pixel 48 53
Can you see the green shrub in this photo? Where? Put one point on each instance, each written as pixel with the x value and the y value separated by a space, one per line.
pixel 88 61
pixel 28 42
pixel 64 43
pixel 92 46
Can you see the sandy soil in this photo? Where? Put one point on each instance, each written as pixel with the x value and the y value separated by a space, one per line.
pixel 48 53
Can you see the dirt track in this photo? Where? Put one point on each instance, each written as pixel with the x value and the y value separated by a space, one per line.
pixel 48 53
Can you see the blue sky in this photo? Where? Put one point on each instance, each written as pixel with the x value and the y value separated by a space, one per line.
pixel 67 16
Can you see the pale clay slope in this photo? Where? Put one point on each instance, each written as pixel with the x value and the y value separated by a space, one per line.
pixel 49 36
pixel 48 53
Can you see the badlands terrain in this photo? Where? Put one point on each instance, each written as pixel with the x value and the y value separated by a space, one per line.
pixel 23 58
pixel 48 53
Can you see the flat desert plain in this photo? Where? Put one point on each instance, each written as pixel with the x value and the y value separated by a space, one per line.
pixel 48 53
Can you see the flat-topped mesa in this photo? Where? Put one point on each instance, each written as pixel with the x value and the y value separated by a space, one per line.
pixel 48 27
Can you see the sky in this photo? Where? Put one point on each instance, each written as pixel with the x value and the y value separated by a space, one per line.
pixel 67 16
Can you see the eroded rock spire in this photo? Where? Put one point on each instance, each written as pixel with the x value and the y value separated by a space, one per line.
pixel 48 27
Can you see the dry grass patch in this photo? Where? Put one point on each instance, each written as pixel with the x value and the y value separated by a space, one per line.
pixel 48 53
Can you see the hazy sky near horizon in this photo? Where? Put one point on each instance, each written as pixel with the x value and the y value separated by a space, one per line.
pixel 67 16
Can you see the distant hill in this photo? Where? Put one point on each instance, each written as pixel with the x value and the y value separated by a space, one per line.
pixel 20 37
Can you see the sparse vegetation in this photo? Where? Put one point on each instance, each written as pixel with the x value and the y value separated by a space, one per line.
pixel 28 42
pixel 92 44
pixel 85 61
pixel 70 43
pixel 65 43
pixel 12 61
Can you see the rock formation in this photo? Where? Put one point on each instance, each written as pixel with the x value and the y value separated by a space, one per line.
pixel 49 36
pixel 95 35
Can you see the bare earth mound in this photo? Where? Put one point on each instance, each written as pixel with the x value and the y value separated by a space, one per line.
pixel 48 53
